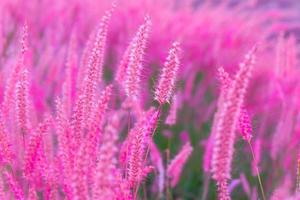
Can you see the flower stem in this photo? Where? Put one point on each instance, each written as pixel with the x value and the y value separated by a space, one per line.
pixel 257 171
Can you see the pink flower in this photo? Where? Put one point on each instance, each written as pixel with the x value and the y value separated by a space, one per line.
pixel 166 83
pixel 227 123
pixel 104 176
pixel 93 74
pixel 22 103
pixel 15 74
pixel 135 64
pixel 122 67
pixel 77 123
pixel 225 82
pixel 33 148
pixel 6 154
pixel 140 138
pixel 85 159
pixel 69 87
pixel 171 119
pixel 175 167
pixel 245 125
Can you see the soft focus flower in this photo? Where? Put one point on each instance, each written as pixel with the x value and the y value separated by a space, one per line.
pixel 176 166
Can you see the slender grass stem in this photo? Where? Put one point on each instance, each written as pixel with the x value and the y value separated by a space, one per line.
pixel 167 180
pixel 206 187
pixel 257 171
pixel 145 191
pixel 136 191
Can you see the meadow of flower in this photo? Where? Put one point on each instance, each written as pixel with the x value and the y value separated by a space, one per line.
pixel 149 99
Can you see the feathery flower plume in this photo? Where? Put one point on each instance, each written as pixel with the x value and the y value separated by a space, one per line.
pixel 122 68
pixel 65 151
pixel 71 73
pixel 223 190
pixel 79 176
pixel 92 137
pixel 135 156
pixel 225 82
pixel 246 131
pixel 245 125
pixel 31 151
pixel 6 154
pixel 24 40
pixel 84 59
pixel 175 167
pixel 94 66
pixel 84 161
pixel 125 148
pixel 244 118
pixel 77 124
pixel 135 64
pixel 166 83
pixel 61 127
pixel 171 119
pixel 122 187
pixel 140 137
pixel 104 184
pixel 14 75
pixel 227 123
pixel 22 103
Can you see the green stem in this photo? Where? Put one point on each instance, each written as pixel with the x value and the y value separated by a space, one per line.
pixel 257 171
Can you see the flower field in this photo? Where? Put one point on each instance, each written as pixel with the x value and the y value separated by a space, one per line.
pixel 149 99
